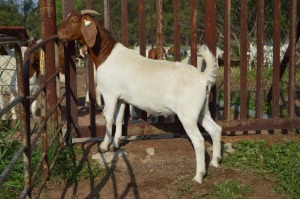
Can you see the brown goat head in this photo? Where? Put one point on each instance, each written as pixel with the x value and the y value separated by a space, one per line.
pixel 79 26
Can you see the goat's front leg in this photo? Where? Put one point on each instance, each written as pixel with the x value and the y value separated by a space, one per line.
pixel 1 105
pixel 109 110
pixel 98 98
pixel 34 108
pixel 13 110
pixel 119 120
pixel 87 97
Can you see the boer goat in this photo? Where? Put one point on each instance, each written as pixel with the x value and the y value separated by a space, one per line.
pixel 156 86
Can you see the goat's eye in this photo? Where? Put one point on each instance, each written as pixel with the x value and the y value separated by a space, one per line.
pixel 74 22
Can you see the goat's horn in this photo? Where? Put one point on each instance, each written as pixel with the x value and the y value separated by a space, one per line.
pixel 89 12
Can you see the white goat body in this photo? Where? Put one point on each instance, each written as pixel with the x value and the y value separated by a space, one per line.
pixel 9 83
pixel 158 86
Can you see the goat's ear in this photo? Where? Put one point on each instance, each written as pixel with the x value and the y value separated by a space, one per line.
pixel 89 31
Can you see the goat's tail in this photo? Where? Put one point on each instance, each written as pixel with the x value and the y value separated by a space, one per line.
pixel 210 71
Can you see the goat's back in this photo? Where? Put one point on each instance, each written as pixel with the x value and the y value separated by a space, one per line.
pixel 154 85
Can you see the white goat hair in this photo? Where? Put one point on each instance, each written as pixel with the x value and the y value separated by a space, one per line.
pixel 157 86
pixel 9 83
pixel 268 54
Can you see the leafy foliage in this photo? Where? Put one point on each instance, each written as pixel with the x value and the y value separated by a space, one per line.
pixel 21 13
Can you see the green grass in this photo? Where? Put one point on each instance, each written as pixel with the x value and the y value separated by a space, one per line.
pixel 185 187
pixel 67 165
pixel 72 167
pixel 8 147
pixel 280 160
pixel 277 163
pixel 229 189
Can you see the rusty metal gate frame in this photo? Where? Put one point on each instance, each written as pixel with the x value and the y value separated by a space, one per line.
pixel 28 138
pixel 143 128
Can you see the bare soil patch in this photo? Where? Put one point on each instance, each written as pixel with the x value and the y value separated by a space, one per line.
pixel 166 174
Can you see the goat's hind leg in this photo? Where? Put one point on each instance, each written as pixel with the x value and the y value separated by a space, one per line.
pixel 197 140
pixel 215 131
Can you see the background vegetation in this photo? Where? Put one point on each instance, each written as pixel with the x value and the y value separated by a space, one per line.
pixel 26 13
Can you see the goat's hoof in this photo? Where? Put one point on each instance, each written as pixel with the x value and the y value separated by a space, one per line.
pixel 114 148
pixel 100 108
pixel 214 163
pixel 198 178
pixel 103 149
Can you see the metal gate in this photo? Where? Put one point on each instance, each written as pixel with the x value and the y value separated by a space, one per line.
pixel 266 106
pixel 278 94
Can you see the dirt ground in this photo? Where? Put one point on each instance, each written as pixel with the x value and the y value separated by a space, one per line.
pixel 166 173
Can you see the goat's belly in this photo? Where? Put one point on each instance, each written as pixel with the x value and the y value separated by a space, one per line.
pixel 155 106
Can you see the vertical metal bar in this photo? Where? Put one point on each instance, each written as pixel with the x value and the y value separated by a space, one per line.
pixel 70 73
pixel 125 43
pixel 243 54
pixel 227 73
pixel 260 55
pixel 159 34
pixel 124 23
pixel 284 62
pixel 292 52
pixel 176 13
pixel 106 14
pixel 193 10
pixel 23 88
pixel 159 38
pixel 48 22
pixel 67 6
pixel 210 25
pixel 210 40
pixel 142 38
pixel 92 94
pixel 71 89
pixel 276 58
pixel 142 28
pixel 88 4
pixel 44 111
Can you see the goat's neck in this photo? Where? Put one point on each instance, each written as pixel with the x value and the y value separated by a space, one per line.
pixel 103 46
